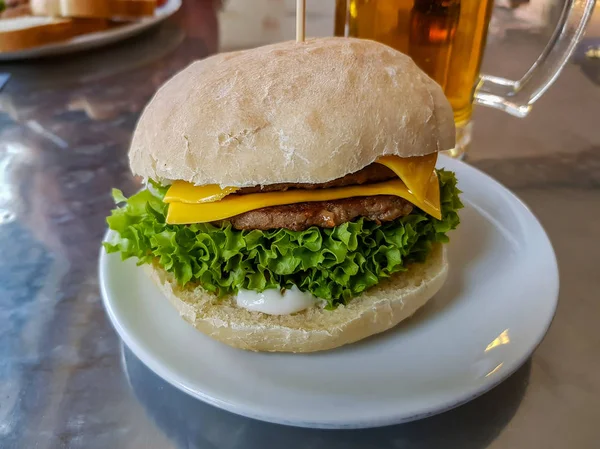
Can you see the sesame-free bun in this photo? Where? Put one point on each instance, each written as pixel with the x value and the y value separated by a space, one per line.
pixel 315 329
pixel 304 112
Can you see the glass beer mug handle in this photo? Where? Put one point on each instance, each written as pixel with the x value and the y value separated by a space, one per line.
pixel 516 97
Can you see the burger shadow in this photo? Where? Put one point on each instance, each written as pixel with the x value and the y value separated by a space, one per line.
pixel 191 423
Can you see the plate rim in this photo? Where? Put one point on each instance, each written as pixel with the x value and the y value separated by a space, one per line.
pixel 97 39
pixel 169 375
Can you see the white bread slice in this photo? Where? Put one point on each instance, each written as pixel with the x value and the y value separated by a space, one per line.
pixel 99 9
pixel 86 26
pixel 25 32
pixel 376 310
pixel 45 7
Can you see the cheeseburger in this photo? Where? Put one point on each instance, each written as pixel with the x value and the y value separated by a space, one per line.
pixel 292 199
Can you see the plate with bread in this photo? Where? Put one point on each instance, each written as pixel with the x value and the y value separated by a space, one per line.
pixel 42 28
pixel 301 252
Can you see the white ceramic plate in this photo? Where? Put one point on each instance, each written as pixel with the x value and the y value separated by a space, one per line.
pixel 488 318
pixel 95 40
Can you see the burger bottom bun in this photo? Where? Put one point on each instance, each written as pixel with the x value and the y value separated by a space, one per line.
pixel 315 329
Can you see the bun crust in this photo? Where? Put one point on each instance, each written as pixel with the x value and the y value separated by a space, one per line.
pixel 292 112
pixel 25 32
pixel 20 33
pixel 378 309
pixel 93 8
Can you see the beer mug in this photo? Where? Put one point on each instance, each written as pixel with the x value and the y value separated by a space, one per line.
pixel 446 39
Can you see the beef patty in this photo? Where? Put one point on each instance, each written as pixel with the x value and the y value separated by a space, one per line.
pixel 370 174
pixel 324 214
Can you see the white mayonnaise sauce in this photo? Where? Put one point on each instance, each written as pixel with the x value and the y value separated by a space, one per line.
pixel 272 302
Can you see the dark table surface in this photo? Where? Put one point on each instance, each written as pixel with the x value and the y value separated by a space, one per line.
pixel 66 381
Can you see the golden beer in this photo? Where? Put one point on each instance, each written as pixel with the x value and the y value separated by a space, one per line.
pixel 445 38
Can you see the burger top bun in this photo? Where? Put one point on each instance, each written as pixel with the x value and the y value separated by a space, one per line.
pixel 306 112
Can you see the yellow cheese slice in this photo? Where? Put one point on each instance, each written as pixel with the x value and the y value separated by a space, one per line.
pixel 414 171
pixel 182 213
pixel 432 200
pixel 184 192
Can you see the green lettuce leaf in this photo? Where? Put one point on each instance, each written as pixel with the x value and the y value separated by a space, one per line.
pixel 333 264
